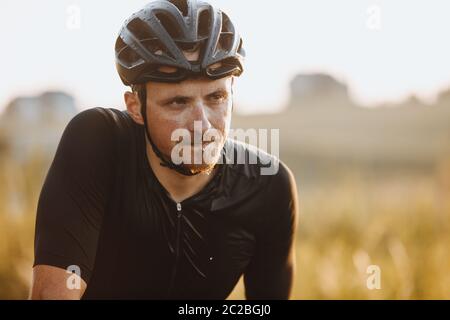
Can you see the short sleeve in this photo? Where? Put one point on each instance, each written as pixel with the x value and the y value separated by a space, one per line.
pixel 270 272
pixel 73 198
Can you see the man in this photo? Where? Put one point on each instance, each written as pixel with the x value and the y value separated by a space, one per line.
pixel 120 217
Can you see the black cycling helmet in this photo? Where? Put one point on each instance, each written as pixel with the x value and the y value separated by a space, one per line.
pixel 156 36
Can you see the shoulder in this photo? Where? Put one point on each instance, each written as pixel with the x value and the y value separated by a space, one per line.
pixel 97 118
pixel 98 125
pixel 255 163
pixel 253 170
pixel 275 200
pixel 92 132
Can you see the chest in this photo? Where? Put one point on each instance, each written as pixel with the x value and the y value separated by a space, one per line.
pixel 185 250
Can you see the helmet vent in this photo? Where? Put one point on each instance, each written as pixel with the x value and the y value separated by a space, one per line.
pixel 181 5
pixel 226 23
pixel 168 24
pixel 130 57
pixel 204 23
pixel 156 47
pixel 240 46
pixel 140 29
pixel 120 44
pixel 225 41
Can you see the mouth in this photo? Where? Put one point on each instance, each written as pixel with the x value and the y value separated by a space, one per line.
pixel 200 146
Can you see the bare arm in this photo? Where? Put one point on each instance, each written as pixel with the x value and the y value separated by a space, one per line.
pixel 51 283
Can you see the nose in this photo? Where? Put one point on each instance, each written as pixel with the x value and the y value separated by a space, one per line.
pixel 200 115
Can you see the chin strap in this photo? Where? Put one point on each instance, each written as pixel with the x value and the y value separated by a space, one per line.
pixel 165 163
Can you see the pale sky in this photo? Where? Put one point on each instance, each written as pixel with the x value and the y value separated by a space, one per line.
pixel 385 50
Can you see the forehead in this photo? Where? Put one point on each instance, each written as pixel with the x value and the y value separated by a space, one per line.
pixel 189 87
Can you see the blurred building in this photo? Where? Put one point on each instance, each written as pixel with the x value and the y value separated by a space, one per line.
pixel 31 125
pixel 323 130
pixel 319 87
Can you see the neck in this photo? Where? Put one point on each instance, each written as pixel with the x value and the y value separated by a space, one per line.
pixel 180 187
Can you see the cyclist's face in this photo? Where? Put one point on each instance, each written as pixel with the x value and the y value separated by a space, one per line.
pixel 196 105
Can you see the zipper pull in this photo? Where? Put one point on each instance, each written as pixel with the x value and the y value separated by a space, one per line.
pixel 178 206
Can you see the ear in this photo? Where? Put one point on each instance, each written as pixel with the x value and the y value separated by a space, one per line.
pixel 134 107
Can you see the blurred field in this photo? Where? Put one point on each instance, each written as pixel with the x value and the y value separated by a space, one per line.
pixel 400 223
pixel 19 191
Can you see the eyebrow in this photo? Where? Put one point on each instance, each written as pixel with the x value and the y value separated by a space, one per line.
pixel 189 98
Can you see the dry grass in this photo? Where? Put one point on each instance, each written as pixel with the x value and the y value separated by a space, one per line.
pixel 19 189
pixel 401 224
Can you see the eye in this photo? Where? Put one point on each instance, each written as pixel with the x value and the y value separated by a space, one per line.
pixel 178 102
pixel 218 97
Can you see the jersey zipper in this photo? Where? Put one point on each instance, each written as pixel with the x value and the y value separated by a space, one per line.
pixel 177 247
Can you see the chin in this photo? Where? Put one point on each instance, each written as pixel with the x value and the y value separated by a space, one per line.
pixel 207 164
pixel 209 154
pixel 200 168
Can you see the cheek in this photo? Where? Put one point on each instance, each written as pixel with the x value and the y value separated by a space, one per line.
pixel 161 128
pixel 226 123
pixel 221 118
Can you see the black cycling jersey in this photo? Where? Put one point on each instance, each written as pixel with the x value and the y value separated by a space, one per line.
pixel 102 209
